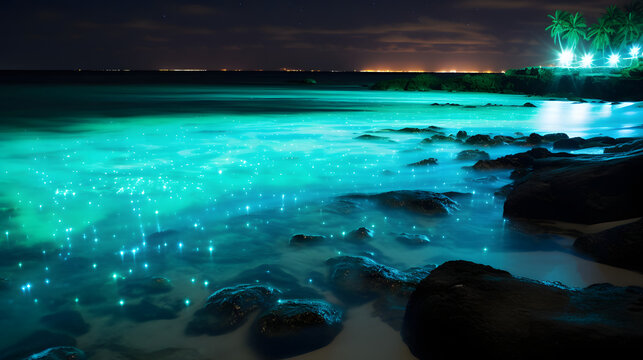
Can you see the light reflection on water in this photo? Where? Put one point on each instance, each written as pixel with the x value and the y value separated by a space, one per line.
pixel 237 171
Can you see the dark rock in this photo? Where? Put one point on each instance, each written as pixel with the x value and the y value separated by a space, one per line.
pixel 59 353
pixel 228 308
pixel 534 139
pixel 520 160
pixel 620 246
pixel 472 155
pixel 554 137
pixel 138 287
pixel 293 327
pixel 462 310
pixel 301 239
pixel 70 321
pixel 360 234
pixel 504 139
pixel 443 138
pixel 461 135
pixel 429 161
pixel 357 279
pixel 5 284
pixel 504 191
pixel 485 179
pixel 372 138
pixel 425 202
pixel 625 147
pixel 482 140
pixel 574 143
pixel 426 141
pixel 309 81
pixel 413 239
pixel 528 104
pixel 586 190
pixel 412 130
pixel 35 343
pixel 158 238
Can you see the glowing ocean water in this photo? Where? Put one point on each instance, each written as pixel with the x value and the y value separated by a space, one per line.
pixel 199 183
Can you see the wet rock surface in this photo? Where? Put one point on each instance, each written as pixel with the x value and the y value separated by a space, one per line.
pixel 483 140
pixel 59 353
pixel 585 190
pixel 464 309
pixel 620 246
pixel 625 147
pixel 425 202
pixel 228 308
pixel 520 160
pixel 361 234
pixel 293 327
pixel 466 155
pixel 413 239
pixel 577 143
pixel 425 162
pixel 302 239
pixel 368 137
pixel 357 279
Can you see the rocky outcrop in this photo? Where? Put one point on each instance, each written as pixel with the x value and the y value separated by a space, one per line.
pixel 425 162
pixel 483 140
pixel 577 143
pixel 624 147
pixel 293 327
pixel 361 234
pixel 467 155
pixel 357 279
pixel 228 308
pixel 521 160
pixel 425 202
pixel 301 239
pixel 466 310
pixel 586 189
pixel 620 246
pixel 413 239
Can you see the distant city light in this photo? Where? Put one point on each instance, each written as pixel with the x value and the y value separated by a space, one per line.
pixel 613 60
pixel 587 60
pixel 565 58
pixel 635 51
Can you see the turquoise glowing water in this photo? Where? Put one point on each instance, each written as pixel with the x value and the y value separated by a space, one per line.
pixel 89 172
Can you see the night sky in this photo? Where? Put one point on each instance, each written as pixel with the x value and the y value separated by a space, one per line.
pixel 327 35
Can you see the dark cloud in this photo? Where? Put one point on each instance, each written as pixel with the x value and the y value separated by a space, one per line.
pixel 258 34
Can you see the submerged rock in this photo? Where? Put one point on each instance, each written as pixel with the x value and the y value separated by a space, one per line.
pixel 360 234
pixel 528 104
pixel 620 246
pixel 472 155
pixel 586 190
pixel 59 353
pixel 482 140
pixel 372 138
pixel 228 308
pixel 301 239
pixel 138 287
pixel 461 135
pixel 70 321
pixel 577 143
pixel 413 239
pixel 429 161
pixel 520 160
pixel 424 202
pixel 466 310
pixel 293 327
pixel 357 279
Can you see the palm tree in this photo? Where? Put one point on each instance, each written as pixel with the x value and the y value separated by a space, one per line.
pixel 600 33
pixel 629 29
pixel 558 23
pixel 575 30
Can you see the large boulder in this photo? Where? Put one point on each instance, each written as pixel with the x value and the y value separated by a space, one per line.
pixel 517 161
pixel 472 155
pixel 586 190
pixel 467 310
pixel 425 202
pixel 483 140
pixel 620 246
pixel 293 327
pixel 228 308
pixel 358 279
